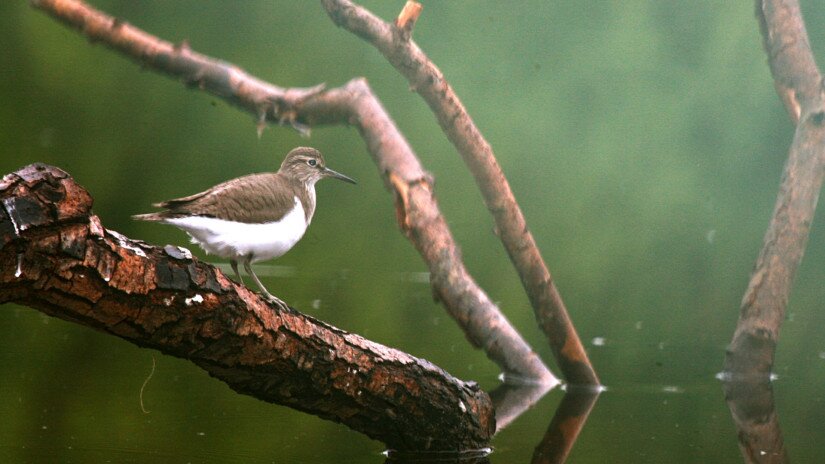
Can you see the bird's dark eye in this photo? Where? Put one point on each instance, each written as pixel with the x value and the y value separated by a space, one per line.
pixel 312 162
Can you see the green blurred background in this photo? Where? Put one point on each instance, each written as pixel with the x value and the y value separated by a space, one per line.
pixel 643 140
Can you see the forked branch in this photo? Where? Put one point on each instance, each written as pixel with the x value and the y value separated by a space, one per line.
pixel 428 81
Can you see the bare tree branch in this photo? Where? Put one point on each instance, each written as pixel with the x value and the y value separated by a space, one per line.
pixel 426 79
pixel 354 103
pixel 55 256
pixel 799 84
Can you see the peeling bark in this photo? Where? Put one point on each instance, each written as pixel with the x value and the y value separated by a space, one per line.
pixel 56 257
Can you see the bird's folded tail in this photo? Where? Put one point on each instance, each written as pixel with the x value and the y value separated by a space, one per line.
pixel 154 217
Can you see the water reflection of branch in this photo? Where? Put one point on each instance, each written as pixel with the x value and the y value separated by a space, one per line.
pixel 566 425
pixel 752 408
pixel 511 400
pixel 467 457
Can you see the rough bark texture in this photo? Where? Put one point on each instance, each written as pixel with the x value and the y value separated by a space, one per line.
pixel 427 80
pixel 56 257
pixel 798 82
pixel 354 103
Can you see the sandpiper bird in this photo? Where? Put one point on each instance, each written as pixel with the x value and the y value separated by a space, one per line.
pixel 252 218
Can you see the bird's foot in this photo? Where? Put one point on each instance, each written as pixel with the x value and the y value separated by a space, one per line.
pixel 277 301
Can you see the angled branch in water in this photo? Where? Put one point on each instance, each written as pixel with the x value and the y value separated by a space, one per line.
pixel 55 256
pixel 427 80
pixel 354 103
pixel 799 84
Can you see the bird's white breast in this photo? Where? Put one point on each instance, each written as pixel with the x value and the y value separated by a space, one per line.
pixel 235 240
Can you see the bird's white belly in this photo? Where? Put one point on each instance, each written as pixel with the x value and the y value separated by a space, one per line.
pixel 235 240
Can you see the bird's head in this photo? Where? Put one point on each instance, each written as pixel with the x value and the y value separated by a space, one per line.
pixel 308 166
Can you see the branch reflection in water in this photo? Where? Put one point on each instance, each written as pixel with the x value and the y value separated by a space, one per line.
pixel 512 400
pixel 751 404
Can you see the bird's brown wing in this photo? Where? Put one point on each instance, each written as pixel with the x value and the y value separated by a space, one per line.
pixel 253 199
pixel 178 202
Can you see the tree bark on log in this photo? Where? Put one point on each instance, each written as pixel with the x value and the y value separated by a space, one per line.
pixel 417 210
pixel 799 84
pixel 55 256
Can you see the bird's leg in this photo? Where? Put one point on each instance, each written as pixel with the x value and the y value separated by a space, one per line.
pixel 234 265
pixel 272 298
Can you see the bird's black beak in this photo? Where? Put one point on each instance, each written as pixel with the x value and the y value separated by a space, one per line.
pixel 337 175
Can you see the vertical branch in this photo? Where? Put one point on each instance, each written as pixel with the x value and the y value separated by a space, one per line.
pixel 798 83
pixel 426 79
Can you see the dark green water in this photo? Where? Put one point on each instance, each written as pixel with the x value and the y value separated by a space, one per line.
pixel 643 139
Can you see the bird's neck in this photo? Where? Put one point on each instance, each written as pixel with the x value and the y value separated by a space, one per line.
pixel 305 191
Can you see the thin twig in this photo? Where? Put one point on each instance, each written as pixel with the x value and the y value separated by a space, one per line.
pixel 143 387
